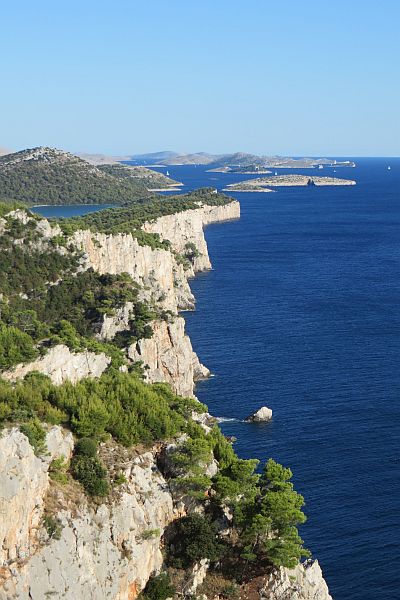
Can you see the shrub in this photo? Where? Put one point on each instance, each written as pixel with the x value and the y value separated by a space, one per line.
pixel 194 486
pixel 58 470
pixel 35 434
pixel 149 534
pixel 86 447
pixel 158 588
pixel 89 471
pixel 119 479
pixel 15 346
pixel 53 527
pixel 194 538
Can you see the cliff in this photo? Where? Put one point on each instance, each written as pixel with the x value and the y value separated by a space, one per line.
pixel 168 355
pixel 187 227
pixel 304 582
pixel 54 540
pixel 99 552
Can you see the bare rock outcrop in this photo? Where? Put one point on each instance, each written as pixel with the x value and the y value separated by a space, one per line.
pixel 168 356
pixel 188 227
pixel 163 281
pixel 60 364
pixel 108 551
pixel 23 481
pixel 304 582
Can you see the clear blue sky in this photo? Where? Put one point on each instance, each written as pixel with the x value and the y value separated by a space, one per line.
pixel 127 76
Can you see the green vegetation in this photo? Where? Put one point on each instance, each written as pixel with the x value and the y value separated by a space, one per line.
pixel 158 587
pixel 117 404
pixel 87 468
pixel 89 471
pixel 26 270
pixel 61 178
pixel 15 346
pixel 191 252
pixel 7 205
pixel 266 509
pixel 53 527
pixel 58 470
pixel 268 524
pixel 86 447
pixel 149 534
pixel 194 538
pixel 36 435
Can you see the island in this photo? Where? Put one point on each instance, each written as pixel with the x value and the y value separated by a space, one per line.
pixel 262 184
pixel 250 170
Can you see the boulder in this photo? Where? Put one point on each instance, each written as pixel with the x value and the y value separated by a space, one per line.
pixel 262 414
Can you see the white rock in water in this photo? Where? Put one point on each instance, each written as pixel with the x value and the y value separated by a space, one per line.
pixel 262 414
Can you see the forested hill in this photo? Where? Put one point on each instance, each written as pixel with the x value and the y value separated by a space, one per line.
pixel 50 176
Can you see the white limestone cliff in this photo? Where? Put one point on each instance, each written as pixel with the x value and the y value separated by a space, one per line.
pixel 60 364
pixel 106 551
pixel 188 227
pixel 164 281
pixel 168 356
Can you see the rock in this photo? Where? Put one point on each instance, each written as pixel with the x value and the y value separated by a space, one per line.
pixel 261 415
pixel 168 356
pixel 197 576
pixel 163 281
pixel 102 552
pixel 204 419
pixel 304 582
pixel 60 364
pixel 23 482
pixel 59 443
pixel 119 321
pixel 187 227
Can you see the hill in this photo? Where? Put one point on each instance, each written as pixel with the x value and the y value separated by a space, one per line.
pixel 50 176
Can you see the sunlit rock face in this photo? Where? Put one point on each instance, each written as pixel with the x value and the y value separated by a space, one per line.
pixel 102 551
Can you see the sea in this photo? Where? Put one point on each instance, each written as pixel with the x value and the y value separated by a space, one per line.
pixel 301 313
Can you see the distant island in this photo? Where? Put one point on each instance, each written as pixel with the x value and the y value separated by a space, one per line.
pixel 238 160
pixel 250 170
pixel 263 184
pixel 220 163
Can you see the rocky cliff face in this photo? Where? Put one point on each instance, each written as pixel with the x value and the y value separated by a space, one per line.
pixel 305 582
pixel 164 281
pixel 168 356
pixel 60 364
pixel 187 227
pixel 106 551
pixel 100 551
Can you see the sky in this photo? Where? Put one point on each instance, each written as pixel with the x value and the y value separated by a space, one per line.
pixel 126 76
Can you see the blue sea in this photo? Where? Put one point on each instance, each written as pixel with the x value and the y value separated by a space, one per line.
pixel 301 313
